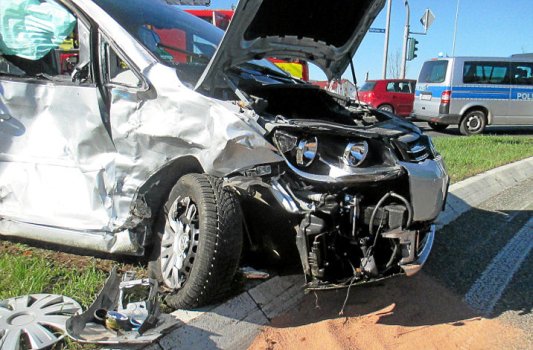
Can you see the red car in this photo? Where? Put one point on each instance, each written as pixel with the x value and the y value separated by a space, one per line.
pixel 391 95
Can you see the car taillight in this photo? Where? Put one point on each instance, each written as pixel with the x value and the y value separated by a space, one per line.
pixel 446 97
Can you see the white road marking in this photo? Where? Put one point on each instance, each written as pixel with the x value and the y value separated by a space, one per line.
pixel 488 289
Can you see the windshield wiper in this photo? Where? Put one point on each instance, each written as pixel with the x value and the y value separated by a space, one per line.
pixel 186 52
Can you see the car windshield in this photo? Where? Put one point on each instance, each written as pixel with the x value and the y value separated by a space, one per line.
pixel 368 86
pixel 174 37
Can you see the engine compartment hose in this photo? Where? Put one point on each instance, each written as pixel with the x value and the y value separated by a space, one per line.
pixel 380 203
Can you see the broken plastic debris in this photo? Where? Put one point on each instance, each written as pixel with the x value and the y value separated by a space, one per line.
pixel 251 273
pixel 132 314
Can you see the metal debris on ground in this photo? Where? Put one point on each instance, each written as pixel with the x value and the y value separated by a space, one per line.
pixel 126 312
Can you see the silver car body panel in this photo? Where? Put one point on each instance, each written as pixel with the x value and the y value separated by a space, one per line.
pixel 249 38
pixel 428 185
pixel 67 177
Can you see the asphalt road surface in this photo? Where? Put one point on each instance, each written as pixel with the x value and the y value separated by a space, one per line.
pixel 453 130
pixel 476 292
pixel 485 256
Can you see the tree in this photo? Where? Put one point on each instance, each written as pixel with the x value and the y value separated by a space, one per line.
pixel 394 65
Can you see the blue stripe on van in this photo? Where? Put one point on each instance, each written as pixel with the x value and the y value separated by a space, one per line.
pixel 435 90
pixel 482 93
pixel 522 93
pixel 480 89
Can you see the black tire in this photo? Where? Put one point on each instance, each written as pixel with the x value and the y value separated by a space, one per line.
pixel 437 126
pixel 386 108
pixel 215 241
pixel 473 123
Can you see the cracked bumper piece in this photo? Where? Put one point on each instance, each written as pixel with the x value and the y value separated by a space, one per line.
pixel 421 255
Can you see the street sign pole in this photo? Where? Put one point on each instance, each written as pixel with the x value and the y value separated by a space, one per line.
pixel 386 46
pixel 405 39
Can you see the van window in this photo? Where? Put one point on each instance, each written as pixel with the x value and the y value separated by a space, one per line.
pixel 486 73
pixel 522 73
pixel 433 72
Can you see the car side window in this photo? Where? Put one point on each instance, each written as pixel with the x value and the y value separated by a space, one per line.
pixel 399 86
pixel 405 87
pixel 115 69
pixel 49 49
pixel 393 87
pixel 522 73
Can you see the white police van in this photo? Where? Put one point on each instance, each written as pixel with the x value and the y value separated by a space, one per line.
pixel 474 92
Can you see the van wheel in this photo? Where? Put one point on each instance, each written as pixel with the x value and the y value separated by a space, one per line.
pixel 386 108
pixel 473 123
pixel 437 126
pixel 198 242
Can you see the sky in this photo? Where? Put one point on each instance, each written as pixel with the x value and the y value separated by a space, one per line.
pixel 484 28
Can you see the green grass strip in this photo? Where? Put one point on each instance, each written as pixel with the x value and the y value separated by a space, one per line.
pixel 34 274
pixel 468 156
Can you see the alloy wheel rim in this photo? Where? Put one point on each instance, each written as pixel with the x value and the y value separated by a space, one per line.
pixel 180 242
pixel 35 321
pixel 474 123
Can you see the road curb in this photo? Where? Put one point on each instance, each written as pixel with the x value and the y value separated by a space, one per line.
pixel 475 190
pixel 235 323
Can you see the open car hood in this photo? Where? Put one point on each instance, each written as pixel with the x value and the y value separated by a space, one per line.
pixel 326 33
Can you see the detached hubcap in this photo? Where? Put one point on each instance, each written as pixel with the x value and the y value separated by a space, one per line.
pixel 180 242
pixel 38 320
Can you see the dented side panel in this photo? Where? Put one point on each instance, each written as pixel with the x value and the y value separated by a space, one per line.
pixel 57 168
pixel 63 173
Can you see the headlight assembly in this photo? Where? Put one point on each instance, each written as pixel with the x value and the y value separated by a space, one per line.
pixel 285 142
pixel 306 151
pixel 355 153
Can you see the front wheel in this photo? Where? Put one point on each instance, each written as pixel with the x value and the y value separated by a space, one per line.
pixel 437 126
pixel 473 122
pixel 198 242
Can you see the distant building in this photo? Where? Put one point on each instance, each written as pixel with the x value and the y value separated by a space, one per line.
pixel 342 87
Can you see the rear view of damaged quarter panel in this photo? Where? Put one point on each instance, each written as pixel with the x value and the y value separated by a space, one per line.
pixel 149 132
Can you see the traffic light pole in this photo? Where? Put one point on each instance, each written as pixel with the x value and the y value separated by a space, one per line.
pixel 405 39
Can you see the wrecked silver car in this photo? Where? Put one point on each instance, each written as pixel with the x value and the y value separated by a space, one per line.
pixel 133 128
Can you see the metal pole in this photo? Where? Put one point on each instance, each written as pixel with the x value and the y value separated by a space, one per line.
pixel 405 39
pixel 386 49
pixel 455 29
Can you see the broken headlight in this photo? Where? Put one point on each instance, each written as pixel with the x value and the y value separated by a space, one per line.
pixel 355 153
pixel 307 151
pixel 320 153
pixel 285 141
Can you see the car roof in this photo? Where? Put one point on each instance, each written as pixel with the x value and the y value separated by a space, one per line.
pixel 389 80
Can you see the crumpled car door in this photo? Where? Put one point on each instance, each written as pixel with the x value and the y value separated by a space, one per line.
pixel 56 155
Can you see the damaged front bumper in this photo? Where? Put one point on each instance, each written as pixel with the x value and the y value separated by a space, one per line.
pixel 421 255
pixel 357 232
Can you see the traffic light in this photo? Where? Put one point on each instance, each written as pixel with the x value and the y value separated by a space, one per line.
pixel 412 49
